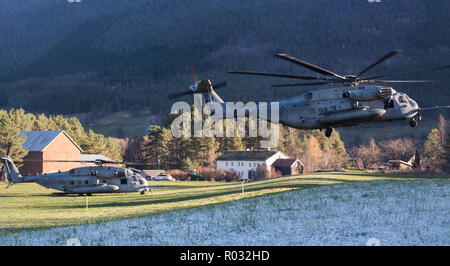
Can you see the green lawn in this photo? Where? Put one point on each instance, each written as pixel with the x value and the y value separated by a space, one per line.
pixel 122 124
pixel 30 206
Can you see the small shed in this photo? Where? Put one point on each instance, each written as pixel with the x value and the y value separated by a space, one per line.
pixel 289 166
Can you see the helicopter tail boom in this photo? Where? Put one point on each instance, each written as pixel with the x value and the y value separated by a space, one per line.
pixel 12 173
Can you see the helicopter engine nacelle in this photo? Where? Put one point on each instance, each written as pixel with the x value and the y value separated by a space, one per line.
pixel 106 173
pixel 369 94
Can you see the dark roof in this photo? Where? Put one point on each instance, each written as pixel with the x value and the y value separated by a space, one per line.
pixel 246 155
pixel 284 162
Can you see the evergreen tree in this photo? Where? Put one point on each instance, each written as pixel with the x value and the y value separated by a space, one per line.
pixel 10 141
pixel 434 149
pixel 156 149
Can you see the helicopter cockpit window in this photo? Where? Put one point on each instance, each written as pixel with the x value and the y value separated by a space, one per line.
pixel 141 181
pixel 134 178
pixel 401 99
pixel 120 173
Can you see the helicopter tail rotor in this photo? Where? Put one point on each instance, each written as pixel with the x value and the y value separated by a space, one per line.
pixel 199 86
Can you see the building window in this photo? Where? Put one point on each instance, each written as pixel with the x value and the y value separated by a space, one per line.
pixel 86 182
pixel 72 182
pixel 226 163
pixel 231 163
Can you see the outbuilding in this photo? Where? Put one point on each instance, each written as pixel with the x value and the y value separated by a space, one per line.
pixel 246 163
pixel 289 166
pixel 46 146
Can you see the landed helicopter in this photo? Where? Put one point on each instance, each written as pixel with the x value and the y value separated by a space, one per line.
pixel 83 180
pixel 352 103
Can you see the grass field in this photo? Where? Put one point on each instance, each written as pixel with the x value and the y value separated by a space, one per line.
pixel 30 206
pixel 123 124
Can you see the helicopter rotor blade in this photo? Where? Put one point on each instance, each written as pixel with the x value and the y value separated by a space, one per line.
pixel 433 108
pixel 303 84
pixel 219 85
pixel 178 95
pixel 193 73
pixel 409 72
pixel 310 66
pixel 379 61
pixel 400 81
pixel 99 161
pixel 276 75
pixel 54 161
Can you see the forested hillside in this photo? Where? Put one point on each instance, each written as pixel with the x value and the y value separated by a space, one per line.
pixel 62 58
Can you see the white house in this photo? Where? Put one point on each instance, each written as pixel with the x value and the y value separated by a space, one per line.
pixel 244 162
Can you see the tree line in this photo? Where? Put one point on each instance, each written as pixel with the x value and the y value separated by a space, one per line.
pixel 434 156
pixel 159 147
pixel 13 121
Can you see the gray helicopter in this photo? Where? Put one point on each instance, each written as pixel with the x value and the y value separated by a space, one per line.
pixel 355 102
pixel 83 180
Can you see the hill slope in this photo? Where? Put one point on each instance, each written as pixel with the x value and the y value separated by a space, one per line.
pixel 66 57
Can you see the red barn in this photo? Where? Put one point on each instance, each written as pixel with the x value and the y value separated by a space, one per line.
pixel 49 145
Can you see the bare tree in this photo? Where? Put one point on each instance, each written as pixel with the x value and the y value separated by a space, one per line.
pixel 397 149
pixel 368 154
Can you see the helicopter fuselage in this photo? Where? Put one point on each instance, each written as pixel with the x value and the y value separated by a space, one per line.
pixel 346 106
pixel 85 180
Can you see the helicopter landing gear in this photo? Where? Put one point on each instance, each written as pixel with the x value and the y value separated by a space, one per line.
pixel 142 192
pixel 328 132
pixel 413 123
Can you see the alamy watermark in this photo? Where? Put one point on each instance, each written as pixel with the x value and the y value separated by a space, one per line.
pixel 190 122
pixel 373 242
pixel 73 242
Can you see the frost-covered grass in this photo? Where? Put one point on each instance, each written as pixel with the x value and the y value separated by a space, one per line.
pixel 412 212
pixel 30 206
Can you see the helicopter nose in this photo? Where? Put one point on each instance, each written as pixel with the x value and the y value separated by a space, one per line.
pixel 414 104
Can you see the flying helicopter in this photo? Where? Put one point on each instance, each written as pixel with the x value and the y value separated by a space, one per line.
pixel 83 180
pixel 356 101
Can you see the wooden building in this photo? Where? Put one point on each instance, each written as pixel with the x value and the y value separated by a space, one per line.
pixel 289 166
pixel 49 145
